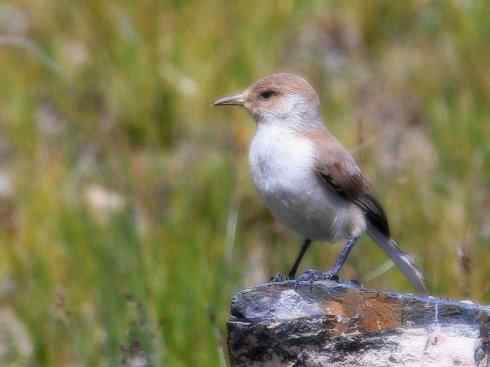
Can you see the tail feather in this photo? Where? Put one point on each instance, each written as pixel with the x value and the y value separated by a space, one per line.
pixel 400 258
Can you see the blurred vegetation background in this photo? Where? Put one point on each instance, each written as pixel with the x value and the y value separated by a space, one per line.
pixel 127 214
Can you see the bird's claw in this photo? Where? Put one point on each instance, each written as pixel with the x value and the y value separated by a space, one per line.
pixel 315 275
pixel 279 278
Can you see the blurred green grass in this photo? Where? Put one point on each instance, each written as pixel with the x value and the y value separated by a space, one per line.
pixel 127 216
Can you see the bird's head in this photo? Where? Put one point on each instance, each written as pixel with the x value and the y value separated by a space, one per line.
pixel 280 98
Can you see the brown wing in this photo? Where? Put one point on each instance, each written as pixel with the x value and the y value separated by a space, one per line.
pixel 338 169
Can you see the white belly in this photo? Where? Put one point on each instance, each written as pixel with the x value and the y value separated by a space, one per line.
pixel 282 162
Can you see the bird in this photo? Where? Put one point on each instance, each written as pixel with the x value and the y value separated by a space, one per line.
pixel 307 179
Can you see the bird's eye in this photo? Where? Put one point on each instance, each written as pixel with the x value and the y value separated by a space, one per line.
pixel 267 94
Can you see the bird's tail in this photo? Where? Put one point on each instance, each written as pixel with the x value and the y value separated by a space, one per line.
pixel 400 258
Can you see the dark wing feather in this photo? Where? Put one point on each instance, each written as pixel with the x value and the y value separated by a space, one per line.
pixel 371 207
pixel 374 212
pixel 337 168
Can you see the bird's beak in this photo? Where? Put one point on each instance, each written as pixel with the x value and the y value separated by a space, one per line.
pixel 236 99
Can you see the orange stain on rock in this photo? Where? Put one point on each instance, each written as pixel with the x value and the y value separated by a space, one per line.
pixel 364 312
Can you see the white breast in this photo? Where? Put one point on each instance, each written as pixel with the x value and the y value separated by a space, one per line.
pixel 280 159
pixel 281 162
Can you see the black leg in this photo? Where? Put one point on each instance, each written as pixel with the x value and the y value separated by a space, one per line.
pixel 304 247
pixel 344 254
pixel 312 275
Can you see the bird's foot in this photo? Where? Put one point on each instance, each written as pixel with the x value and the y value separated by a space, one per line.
pixel 279 278
pixel 311 275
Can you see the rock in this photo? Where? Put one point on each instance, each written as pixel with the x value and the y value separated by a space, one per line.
pixel 331 324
